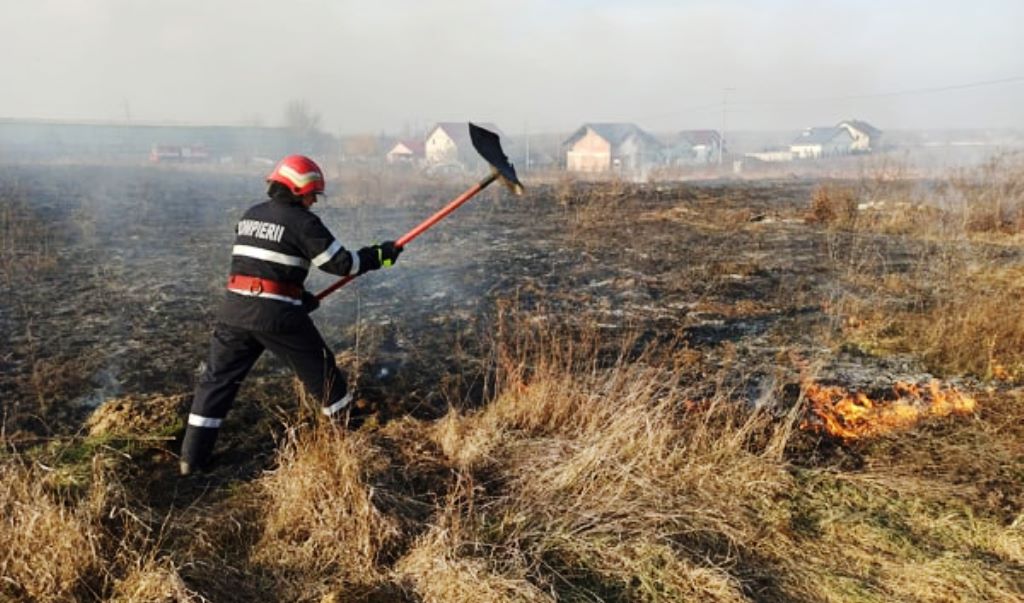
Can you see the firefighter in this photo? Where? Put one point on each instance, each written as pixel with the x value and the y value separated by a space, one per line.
pixel 267 308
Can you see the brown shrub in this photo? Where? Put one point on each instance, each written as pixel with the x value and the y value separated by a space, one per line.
pixel 833 205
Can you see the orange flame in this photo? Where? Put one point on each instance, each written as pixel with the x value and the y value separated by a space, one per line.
pixel 853 416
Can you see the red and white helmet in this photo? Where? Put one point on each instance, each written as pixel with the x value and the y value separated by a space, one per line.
pixel 299 173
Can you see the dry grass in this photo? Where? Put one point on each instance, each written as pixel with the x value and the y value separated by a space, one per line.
pixel 601 486
pixel 590 476
pixel 26 240
pixel 965 321
pixel 49 548
pixel 955 299
pixel 154 582
pixel 322 525
pixel 439 573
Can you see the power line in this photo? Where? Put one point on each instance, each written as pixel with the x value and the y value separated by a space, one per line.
pixel 1007 80
pixel 803 101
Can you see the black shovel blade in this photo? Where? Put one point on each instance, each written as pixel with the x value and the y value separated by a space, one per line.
pixel 488 144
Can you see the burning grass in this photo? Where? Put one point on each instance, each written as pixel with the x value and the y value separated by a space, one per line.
pixel 855 415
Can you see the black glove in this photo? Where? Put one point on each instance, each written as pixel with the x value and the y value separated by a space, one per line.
pixel 378 256
pixel 389 253
pixel 310 302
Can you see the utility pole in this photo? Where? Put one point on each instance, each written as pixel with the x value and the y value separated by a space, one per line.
pixel 721 135
pixel 526 137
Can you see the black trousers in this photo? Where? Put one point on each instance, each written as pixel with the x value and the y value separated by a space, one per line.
pixel 233 352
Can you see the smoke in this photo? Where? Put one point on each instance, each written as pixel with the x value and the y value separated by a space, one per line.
pixel 373 67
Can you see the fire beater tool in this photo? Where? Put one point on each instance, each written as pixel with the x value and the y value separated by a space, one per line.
pixel 488 145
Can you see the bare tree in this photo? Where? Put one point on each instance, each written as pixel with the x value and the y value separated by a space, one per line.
pixel 301 119
pixel 303 125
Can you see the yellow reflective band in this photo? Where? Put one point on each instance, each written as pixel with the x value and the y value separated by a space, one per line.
pixel 300 179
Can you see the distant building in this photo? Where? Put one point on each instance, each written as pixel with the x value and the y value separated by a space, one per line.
pixel 602 147
pixel 866 138
pixel 816 143
pixel 705 144
pixel 448 143
pixel 169 153
pixel 771 155
pixel 692 147
pixel 406 152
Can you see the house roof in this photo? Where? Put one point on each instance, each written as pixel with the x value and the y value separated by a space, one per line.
pixel 819 135
pixel 863 126
pixel 614 133
pixel 458 131
pixel 701 137
pixel 415 146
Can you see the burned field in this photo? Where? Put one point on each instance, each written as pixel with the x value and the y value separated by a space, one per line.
pixel 130 275
pixel 112 288
pixel 726 295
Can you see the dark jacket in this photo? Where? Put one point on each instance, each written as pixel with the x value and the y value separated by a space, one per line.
pixel 279 240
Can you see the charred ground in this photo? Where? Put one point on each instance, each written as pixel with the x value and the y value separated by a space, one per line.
pixel 119 298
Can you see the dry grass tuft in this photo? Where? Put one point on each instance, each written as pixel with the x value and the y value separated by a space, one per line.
pixel 322 525
pixel 440 574
pixel 49 547
pixel 467 441
pixel 154 582
pixel 833 205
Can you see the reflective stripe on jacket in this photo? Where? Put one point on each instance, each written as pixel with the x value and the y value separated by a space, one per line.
pixel 279 240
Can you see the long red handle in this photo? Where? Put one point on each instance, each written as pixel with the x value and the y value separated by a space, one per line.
pixel 422 226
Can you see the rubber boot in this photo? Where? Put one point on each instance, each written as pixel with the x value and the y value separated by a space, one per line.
pixel 197 448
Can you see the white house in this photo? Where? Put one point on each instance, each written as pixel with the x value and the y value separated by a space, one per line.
pixel 815 143
pixel 866 138
pixel 448 143
pixel 771 155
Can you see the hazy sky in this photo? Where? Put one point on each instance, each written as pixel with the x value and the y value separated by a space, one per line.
pixel 384 65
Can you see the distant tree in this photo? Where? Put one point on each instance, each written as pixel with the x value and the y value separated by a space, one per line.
pixel 303 125
pixel 300 118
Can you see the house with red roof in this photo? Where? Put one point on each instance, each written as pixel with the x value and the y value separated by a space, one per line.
pixel 406 151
